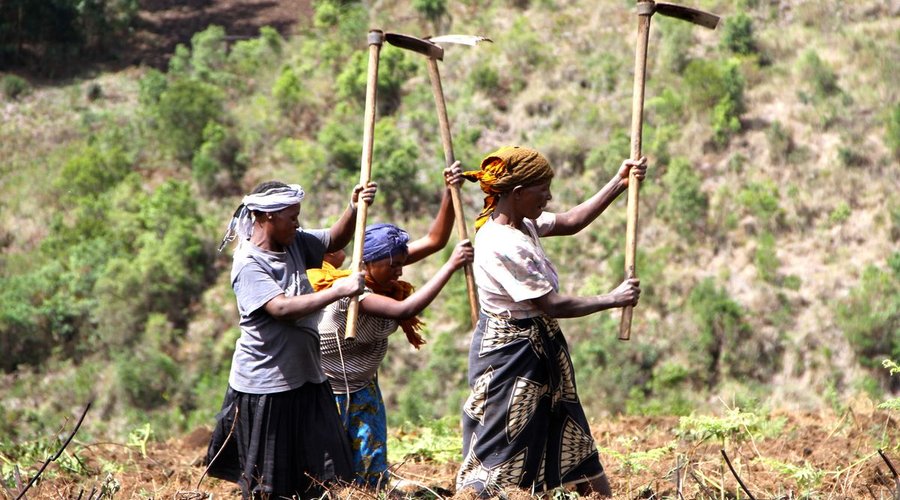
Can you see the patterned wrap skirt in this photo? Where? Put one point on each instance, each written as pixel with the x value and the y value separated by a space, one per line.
pixel 286 444
pixel 523 424
pixel 366 423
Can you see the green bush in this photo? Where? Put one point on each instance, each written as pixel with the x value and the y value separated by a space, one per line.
pixel 677 40
pixel 817 75
pixel 685 205
pixel 184 110
pixel 892 128
pixel 14 86
pixel 737 35
pixel 870 316
pixel 97 167
pixel 762 200
pixel 217 166
pixel 719 87
pixel 433 10
pixel 725 344
pixel 394 68
pixel 396 168
pixel 781 144
pixel 249 57
pixel 765 258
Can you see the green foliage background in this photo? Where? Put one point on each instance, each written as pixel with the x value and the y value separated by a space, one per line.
pixel 769 220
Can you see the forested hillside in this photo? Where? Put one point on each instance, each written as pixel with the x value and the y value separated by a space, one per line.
pixel 769 240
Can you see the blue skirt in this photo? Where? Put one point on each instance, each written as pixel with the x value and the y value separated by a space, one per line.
pixel 366 424
pixel 523 424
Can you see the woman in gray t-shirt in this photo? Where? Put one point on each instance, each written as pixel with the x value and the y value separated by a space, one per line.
pixel 286 438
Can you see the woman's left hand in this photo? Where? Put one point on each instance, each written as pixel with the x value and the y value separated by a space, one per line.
pixel 367 194
pixel 453 174
pixel 639 167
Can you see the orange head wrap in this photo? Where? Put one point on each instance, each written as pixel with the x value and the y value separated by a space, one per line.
pixel 504 169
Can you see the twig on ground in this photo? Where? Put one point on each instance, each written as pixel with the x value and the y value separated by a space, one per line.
pixel 893 471
pixel 736 476
pixel 224 443
pixel 58 453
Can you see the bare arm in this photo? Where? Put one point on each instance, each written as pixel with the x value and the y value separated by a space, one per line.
pixel 439 232
pixel 293 308
pixel 386 307
pixel 564 306
pixel 342 230
pixel 578 217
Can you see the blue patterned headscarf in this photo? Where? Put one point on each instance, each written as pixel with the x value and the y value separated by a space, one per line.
pixel 382 241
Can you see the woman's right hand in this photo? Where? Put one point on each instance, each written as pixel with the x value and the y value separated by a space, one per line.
pixel 463 254
pixel 350 286
pixel 453 174
pixel 627 293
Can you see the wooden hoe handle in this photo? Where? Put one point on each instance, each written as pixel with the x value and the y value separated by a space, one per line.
pixel 449 158
pixel 376 38
pixel 637 111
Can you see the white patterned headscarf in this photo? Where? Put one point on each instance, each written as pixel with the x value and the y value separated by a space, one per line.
pixel 271 200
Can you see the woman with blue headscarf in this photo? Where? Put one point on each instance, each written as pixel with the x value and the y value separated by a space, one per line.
pixel 386 305
pixel 278 434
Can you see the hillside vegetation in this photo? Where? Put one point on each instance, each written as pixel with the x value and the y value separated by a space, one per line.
pixel 769 220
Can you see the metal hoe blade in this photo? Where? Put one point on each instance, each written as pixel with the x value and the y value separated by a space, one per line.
pixel 471 40
pixel 426 47
pixel 695 16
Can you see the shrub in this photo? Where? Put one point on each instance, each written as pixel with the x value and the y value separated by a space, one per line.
pixel 218 166
pixel 870 315
pixel 781 144
pixel 677 39
pixel 184 110
pixel 762 200
pixel 433 10
pixel 817 75
pixel 892 129
pixel 685 205
pixel 248 57
pixel 394 68
pixel 765 258
pixel 725 343
pixel 14 86
pixel 397 157
pixel 737 35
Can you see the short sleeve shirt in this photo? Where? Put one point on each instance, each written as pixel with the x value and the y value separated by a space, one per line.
pixel 511 267
pixel 361 355
pixel 272 355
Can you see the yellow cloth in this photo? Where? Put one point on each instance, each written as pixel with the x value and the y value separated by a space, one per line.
pixel 504 169
pixel 323 278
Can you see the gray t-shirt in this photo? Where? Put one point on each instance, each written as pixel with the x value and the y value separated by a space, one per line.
pixel 272 355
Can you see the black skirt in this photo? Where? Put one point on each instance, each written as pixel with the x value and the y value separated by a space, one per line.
pixel 283 444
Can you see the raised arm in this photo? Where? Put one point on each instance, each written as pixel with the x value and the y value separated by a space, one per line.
pixel 342 230
pixel 578 217
pixel 564 306
pixel 439 232
pixel 386 307
pixel 293 308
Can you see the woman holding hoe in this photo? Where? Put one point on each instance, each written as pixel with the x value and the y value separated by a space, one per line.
pixel 386 304
pixel 523 424
pixel 278 433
